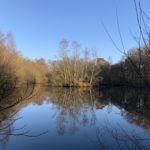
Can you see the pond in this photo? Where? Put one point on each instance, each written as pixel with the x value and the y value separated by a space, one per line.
pixel 78 119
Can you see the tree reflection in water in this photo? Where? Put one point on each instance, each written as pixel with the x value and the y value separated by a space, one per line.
pixel 120 138
pixel 134 103
pixel 74 105
pixel 135 108
pixel 9 107
pixel 78 108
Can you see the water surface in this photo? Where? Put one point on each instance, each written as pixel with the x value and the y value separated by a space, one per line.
pixel 71 119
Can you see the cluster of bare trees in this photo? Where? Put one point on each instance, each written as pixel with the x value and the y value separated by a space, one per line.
pixel 73 68
pixel 134 69
pixel 7 73
pixel 77 69
pixel 14 69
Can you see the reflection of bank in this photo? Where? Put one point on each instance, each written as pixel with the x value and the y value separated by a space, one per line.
pixel 75 106
pixel 78 107
pixel 10 105
pixel 117 137
pixel 100 104
pixel 74 102
pixel 135 102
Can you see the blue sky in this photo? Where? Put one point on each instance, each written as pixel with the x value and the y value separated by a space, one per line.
pixel 39 25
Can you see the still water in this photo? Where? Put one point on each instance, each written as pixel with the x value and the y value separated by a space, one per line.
pixel 78 119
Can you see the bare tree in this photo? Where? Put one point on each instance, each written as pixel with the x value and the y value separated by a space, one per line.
pixel 136 58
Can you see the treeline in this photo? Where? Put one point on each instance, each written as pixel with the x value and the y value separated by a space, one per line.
pixel 132 70
pixel 15 70
pixel 79 68
pixel 74 68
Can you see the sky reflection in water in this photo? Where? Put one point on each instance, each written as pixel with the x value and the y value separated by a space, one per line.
pixel 81 119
